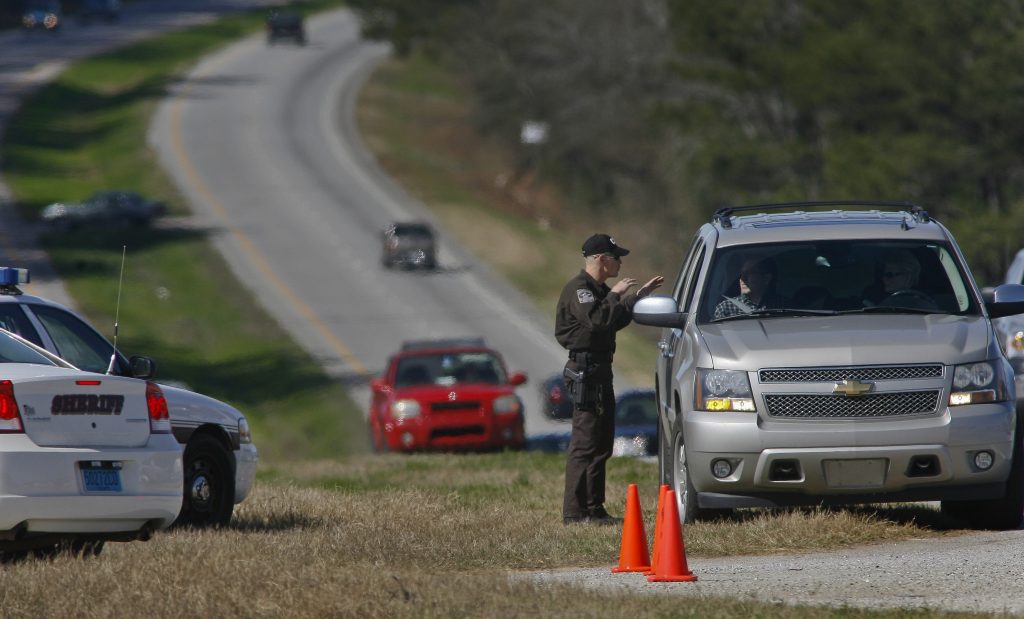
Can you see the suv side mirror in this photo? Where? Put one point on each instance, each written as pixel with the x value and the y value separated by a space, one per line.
pixel 659 311
pixel 1006 300
pixel 141 367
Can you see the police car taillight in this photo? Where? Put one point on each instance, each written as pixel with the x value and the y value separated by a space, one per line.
pixel 159 418
pixel 10 419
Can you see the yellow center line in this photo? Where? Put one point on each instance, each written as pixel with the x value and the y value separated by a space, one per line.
pixel 246 244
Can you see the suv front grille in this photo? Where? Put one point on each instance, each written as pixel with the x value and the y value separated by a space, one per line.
pixel 800 406
pixel 838 374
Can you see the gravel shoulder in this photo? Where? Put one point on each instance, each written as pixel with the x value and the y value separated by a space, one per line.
pixel 982 572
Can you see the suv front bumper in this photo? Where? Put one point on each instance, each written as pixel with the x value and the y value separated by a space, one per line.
pixel 834 462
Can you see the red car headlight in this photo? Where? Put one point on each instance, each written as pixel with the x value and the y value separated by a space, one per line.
pixel 507 404
pixel 405 409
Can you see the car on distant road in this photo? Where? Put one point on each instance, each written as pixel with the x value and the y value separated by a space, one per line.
pixel 219 455
pixel 284 24
pixel 87 458
pixel 409 245
pixel 636 421
pixel 834 353
pixel 42 16
pixel 107 10
pixel 107 208
pixel 446 395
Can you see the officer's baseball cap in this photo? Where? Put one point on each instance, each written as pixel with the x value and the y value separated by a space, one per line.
pixel 602 244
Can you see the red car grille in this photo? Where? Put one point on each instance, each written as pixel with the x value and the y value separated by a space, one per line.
pixel 454 406
pixel 459 431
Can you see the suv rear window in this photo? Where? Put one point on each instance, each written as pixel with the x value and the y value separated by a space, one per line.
pixel 835 276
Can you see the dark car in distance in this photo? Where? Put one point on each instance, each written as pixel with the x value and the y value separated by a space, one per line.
pixel 636 420
pixel 285 25
pixel 42 16
pixel 107 208
pixel 409 245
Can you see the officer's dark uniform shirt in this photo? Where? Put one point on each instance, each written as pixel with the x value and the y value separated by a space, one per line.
pixel 589 314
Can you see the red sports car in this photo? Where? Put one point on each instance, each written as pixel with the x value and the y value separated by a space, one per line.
pixel 446 395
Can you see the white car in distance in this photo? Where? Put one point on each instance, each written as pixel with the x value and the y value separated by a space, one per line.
pixel 219 456
pixel 85 458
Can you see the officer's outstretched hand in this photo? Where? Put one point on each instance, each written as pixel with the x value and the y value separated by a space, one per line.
pixel 650 286
pixel 622 286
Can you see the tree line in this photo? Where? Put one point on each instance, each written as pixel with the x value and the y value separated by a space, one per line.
pixel 668 109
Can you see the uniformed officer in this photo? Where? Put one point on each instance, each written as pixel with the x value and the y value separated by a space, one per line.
pixel 588 315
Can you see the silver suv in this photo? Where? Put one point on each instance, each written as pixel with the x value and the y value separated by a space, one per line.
pixel 835 356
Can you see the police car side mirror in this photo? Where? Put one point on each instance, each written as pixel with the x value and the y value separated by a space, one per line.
pixel 1006 300
pixel 659 311
pixel 141 367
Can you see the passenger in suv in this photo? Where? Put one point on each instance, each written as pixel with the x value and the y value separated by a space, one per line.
pixel 830 395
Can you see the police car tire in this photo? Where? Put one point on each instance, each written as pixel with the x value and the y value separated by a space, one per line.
pixel 209 474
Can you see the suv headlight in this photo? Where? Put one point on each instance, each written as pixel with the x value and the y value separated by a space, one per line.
pixel 507 404
pixel 974 383
pixel 405 409
pixel 723 390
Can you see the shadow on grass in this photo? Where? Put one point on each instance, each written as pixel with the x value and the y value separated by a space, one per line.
pixel 273 523
pixel 111 240
pixel 899 513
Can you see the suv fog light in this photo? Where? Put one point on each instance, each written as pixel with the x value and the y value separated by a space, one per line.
pixel 406 439
pixel 983 460
pixel 721 468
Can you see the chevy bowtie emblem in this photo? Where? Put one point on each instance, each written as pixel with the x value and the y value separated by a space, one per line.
pixel 451 396
pixel 852 388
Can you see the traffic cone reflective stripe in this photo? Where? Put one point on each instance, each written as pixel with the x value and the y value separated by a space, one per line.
pixel 671 565
pixel 633 555
pixel 657 527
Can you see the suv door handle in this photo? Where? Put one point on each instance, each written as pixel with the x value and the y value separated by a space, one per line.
pixel 666 350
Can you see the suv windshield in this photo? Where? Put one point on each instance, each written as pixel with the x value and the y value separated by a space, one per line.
pixel 832 277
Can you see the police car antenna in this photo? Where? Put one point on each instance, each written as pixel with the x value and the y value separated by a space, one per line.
pixel 117 312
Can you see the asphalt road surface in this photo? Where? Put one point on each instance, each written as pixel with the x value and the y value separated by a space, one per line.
pixel 261 139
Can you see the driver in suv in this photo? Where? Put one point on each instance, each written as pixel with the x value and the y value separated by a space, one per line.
pixel 865 370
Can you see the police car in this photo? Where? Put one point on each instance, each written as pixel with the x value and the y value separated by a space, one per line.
pixel 219 456
pixel 86 458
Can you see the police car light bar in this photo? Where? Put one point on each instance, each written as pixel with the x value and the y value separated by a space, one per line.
pixel 11 276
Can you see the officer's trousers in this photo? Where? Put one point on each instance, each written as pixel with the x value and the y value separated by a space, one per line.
pixel 590 446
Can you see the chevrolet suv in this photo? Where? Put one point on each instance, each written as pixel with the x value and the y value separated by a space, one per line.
pixel 823 353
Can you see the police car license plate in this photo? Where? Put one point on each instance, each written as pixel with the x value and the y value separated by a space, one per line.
pixel 101 476
pixel 861 473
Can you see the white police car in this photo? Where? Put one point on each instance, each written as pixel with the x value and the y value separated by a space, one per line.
pixel 219 456
pixel 85 458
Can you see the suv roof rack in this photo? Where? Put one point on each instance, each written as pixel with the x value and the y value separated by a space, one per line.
pixel 454 342
pixel 724 215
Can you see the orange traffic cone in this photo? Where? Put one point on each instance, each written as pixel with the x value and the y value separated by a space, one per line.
pixel 657 527
pixel 633 555
pixel 671 566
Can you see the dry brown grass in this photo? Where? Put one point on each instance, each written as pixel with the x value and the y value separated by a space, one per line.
pixel 420 536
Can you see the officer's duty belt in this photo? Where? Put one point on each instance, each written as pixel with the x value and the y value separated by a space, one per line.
pixel 595 357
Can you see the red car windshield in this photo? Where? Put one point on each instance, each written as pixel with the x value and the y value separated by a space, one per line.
pixel 473 367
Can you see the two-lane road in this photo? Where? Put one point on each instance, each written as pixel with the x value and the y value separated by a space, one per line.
pixel 262 141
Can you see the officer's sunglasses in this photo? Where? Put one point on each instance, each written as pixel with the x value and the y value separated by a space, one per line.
pixel 613 257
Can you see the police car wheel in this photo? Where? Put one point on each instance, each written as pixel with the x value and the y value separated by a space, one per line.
pixel 209 492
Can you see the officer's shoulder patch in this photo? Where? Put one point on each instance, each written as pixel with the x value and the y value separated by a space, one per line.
pixel 585 296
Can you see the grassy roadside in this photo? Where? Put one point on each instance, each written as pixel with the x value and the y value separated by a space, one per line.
pixel 180 304
pixel 418 121
pixel 423 536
